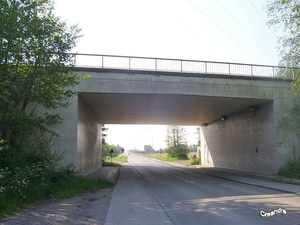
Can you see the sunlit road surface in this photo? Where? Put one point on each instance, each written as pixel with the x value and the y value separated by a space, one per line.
pixel 155 192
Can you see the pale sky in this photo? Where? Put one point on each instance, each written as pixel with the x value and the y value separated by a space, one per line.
pixel 212 30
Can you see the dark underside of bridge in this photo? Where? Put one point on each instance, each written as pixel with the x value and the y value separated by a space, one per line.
pixel 120 108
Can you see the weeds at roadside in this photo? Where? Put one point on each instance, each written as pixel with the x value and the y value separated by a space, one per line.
pixel 25 181
pixel 291 169
pixel 193 160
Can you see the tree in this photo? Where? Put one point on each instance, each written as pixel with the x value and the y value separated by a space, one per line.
pixel 106 149
pixel 35 70
pixel 286 14
pixel 104 135
pixel 176 142
pixel 176 135
pixel 198 136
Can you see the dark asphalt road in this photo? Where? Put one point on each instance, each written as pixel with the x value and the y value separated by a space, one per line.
pixel 154 192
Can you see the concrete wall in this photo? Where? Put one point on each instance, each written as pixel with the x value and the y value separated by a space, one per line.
pixel 66 143
pixel 287 139
pixel 79 139
pixel 245 141
pixel 89 139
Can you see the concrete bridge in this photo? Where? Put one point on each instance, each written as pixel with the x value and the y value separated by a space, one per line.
pixel 238 106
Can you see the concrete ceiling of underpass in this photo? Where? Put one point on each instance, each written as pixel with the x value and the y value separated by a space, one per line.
pixel 163 108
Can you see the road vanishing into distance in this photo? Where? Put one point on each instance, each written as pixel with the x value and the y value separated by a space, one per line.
pixel 150 191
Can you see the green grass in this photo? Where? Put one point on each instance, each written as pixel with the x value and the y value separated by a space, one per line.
pixel 166 157
pixel 120 158
pixel 108 162
pixel 163 157
pixel 60 185
pixel 291 169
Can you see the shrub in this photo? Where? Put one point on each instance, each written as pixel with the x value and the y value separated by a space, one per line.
pixel 179 152
pixel 193 160
pixel 25 180
pixel 291 169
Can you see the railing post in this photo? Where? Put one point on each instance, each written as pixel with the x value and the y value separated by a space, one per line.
pixel 229 69
pixel 205 67
pixel 102 62
pixel 155 65
pixel 181 66
pixel 251 71
pixel 129 63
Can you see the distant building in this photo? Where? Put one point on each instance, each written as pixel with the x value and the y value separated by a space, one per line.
pixel 148 149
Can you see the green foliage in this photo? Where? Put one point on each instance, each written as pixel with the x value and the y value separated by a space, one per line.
pixel 198 132
pixel 35 79
pixel 121 158
pixel 176 140
pixel 286 14
pixel 108 162
pixel 163 157
pixel 106 149
pixel 193 160
pixel 35 70
pixel 178 152
pixel 25 180
pixel 176 135
pixel 291 169
pixel 104 135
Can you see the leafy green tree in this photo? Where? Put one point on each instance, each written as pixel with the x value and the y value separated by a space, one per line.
pixel 285 14
pixel 198 136
pixel 35 70
pixel 104 134
pixel 176 142
pixel 106 149
pixel 176 135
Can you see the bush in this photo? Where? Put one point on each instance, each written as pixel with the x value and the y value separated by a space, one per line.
pixel 193 160
pixel 25 180
pixel 178 152
pixel 106 149
pixel 291 169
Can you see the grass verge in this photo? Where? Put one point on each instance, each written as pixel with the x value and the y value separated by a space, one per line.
pixel 163 157
pixel 115 160
pixel 61 184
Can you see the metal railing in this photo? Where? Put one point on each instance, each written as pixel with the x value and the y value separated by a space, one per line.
pixel 180 66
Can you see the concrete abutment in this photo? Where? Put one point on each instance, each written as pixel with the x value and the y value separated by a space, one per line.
pixel 246 140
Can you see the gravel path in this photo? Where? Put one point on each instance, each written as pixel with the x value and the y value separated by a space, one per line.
pixel 88 209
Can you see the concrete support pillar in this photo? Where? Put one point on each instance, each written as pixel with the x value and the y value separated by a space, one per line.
pixel 80 141
pixel 66 144
pixel 89 139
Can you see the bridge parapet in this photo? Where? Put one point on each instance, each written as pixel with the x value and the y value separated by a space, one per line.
pixel 181 66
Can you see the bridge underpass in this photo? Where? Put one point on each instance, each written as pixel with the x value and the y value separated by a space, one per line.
pixel 164 109
pixel 248 140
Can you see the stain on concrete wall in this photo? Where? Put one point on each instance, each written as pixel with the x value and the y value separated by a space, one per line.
pixel 89 139
pixel 244 141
